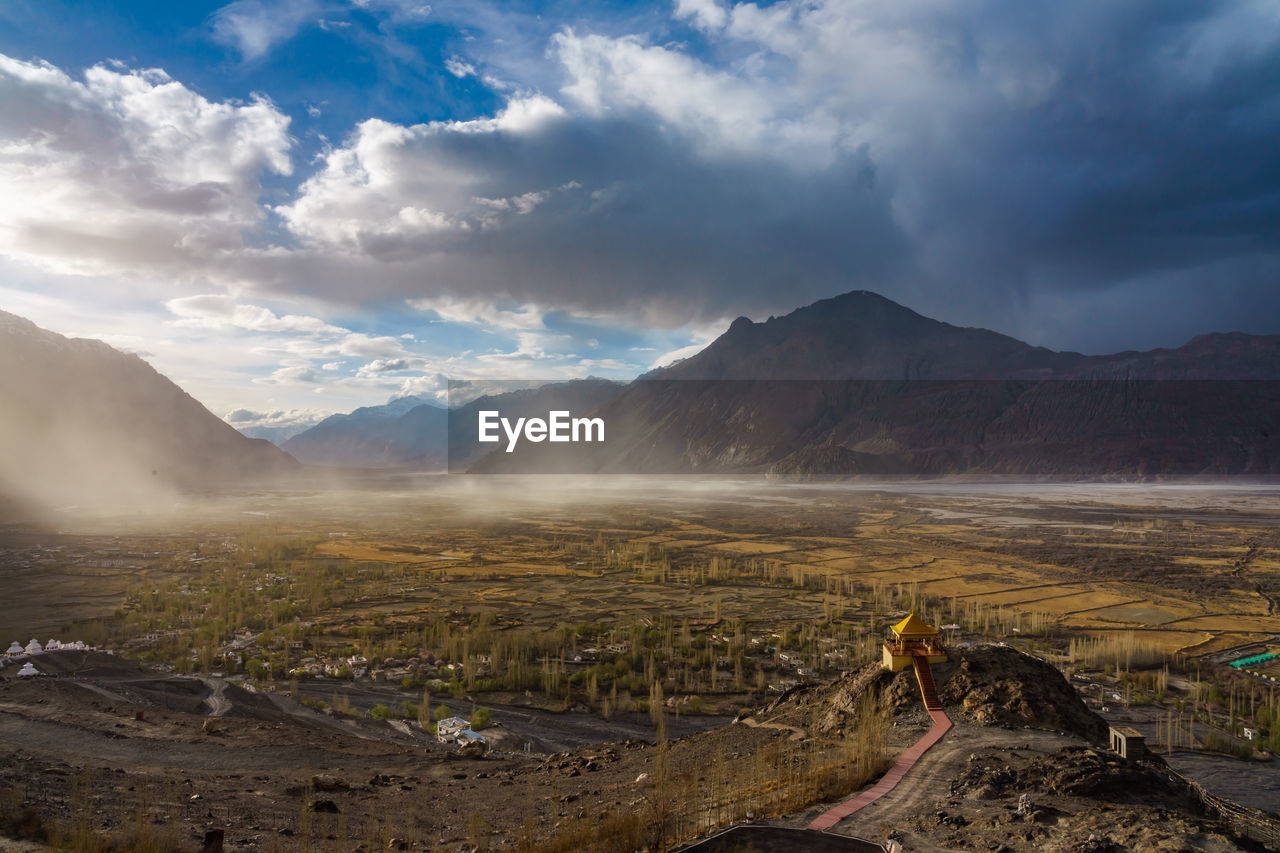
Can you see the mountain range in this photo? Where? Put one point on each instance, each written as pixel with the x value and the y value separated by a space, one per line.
pixel 855 384
pixel 858 384
pixel 406 432
pixel 417 432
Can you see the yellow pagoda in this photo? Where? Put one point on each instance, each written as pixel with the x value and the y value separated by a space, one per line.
pixel 910 638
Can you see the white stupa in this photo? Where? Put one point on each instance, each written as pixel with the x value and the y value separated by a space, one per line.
pixel 34 647
pixel 28 668
pixel 52 646
pixel 14 649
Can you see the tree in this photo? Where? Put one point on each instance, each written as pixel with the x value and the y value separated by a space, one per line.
pixel 481 719
pixel 257 669
pixel 441 712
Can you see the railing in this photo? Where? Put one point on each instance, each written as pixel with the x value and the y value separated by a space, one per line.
pixel 1251 822
pixel 912 647
pixel 928 692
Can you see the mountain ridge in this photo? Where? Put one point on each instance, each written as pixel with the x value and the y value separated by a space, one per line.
pixel 858 384
pixel 116 426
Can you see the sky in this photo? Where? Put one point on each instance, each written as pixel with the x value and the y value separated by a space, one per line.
pixel 298 207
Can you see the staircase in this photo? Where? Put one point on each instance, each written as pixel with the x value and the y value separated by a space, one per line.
pixel 928 692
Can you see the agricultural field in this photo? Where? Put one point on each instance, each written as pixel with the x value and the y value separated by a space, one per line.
pixel 557 573
pixel 589 618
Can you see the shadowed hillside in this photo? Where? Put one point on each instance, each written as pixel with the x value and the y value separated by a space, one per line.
pixel 80 420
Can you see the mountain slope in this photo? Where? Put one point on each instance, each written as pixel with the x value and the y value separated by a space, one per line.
pixel 81 420
pixel 414 432
pixel 862 335
pixel 408 431
pixel 860 385
pixel 579 396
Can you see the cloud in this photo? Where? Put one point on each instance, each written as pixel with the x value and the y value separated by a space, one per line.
pixel 403 10
pixel 601 215
pixel 291 376
pixel 984 162
pixel 254 27
pixel 459 68
pixel 128 170
pixel 301 418
pixel 222 311
pixel 275 425
pixel 918 152
pixel 480 312
pixel 715 108
pixel 706 14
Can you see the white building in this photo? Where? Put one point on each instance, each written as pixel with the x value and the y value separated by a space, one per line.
pixel 34 647
pixel 450 729
pixel 28 669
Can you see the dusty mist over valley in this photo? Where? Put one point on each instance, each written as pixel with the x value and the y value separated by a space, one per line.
pixel 572 608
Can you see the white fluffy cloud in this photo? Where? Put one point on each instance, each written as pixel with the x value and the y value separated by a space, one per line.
pixel 480 312
pixel 720 109
pixel 210 310
pixel 128 170
pixel 247 418
pixel 393 189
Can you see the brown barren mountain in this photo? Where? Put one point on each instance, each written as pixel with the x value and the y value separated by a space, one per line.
pixel 81 421
pixel 860 385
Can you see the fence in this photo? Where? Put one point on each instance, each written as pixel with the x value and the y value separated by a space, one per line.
pixel 1254 823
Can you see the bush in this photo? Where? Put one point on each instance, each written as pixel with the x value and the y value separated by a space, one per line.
pixel 440 713
pixel 1221 742
pixel 481 720
pixel 380 712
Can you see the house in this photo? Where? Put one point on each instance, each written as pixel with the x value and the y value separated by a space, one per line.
pixel 1128 742
pixel 450 729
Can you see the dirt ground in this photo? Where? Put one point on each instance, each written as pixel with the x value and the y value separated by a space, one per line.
pixel 109 747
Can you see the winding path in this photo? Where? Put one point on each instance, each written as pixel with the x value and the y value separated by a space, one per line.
pixel 908 759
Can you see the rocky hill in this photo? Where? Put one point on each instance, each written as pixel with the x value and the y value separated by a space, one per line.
pixel 80 420
pixel 986 685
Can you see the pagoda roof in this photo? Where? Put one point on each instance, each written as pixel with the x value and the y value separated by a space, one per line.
pixel 914 626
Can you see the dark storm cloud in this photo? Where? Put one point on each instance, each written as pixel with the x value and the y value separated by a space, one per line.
pixel 1088 175
pixel 979 163
pixel 636 222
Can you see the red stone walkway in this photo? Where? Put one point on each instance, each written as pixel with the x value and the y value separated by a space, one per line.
pixel 941 725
